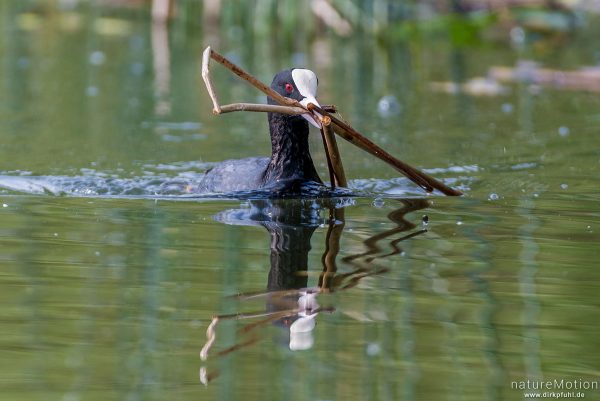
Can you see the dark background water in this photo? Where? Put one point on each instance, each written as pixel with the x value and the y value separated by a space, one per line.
pixel 108 288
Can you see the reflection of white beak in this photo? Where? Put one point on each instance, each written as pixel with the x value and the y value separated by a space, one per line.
pixel 301 336
pixel 307 116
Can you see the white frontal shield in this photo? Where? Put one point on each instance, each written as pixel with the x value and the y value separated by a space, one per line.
pixel 306 82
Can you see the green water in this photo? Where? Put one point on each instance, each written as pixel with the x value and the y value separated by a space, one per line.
pixel 108 296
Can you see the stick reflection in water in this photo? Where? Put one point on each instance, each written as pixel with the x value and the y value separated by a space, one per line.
pixel 290 303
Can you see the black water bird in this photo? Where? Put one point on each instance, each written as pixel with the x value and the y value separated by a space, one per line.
pixel 290 164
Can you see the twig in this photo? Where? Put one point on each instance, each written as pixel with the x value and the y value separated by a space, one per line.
pixel 332 179
pixel 334 157
pixel 259 107
pixel 425 181
pixel 330 108
pixel 288 106
pixel 293 106
pixel 209 53
pixel 208 81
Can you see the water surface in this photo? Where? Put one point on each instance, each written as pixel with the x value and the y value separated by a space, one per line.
pixel 110 276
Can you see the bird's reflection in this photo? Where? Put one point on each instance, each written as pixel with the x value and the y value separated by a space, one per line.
pixel 290 302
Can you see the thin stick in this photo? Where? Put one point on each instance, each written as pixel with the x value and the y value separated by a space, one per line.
pixel 332 179
pixel 425 181
pixel 253 81
pixel 259 107
pixel 284 101
pixel 208 81
pixel 288 106
pixel 333 152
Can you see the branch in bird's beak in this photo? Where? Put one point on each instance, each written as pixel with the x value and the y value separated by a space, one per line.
pixel 304 102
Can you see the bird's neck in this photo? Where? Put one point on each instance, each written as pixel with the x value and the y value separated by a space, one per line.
pixel 290 156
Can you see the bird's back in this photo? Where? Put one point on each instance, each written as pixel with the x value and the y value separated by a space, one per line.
pixel 234 175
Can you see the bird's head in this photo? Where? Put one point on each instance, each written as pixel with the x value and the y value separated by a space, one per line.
pixel 298 84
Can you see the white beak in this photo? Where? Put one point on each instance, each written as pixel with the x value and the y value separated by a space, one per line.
pixel 306 82
pixel 304 102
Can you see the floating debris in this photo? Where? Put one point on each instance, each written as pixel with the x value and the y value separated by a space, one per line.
pixel 112 27
pixel 585 79
pixel 173 125
pixel 373 349
pixel 507 108
pixel 564 131
pixel 97 58
pixel 182 138
pixel 29 21
pixel 517 35
pixel 70 21
pixel 92 91
pixel 388 106
pixel 478 86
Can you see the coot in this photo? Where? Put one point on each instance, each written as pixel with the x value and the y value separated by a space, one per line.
pixel 290 164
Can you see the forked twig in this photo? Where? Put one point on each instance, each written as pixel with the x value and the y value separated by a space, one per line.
pixel 208 81
pixel 287 106
pixel 344 130
pixel 293 106
pixel 209 53
pixel 420 178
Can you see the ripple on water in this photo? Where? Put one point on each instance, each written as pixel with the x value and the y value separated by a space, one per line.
pixel 182 185
pixel 179 180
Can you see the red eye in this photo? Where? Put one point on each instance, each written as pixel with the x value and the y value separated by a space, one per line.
pixel 289 88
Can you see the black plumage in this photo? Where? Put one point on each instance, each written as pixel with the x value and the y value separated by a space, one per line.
pixel 290 163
